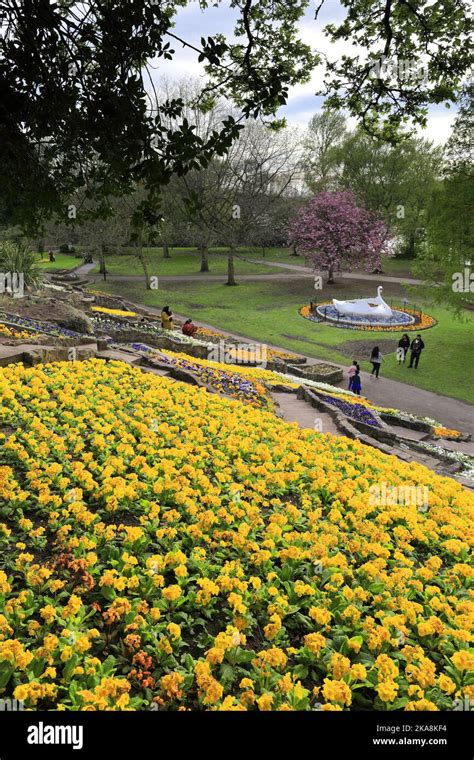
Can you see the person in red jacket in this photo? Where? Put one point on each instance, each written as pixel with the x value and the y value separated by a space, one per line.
pixel 188 328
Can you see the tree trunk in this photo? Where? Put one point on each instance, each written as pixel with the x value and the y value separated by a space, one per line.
pixel 331 275
pixel 295 252
pixel 230 268
pixel 102 267
pixel 263 251
pixel 142 260
pixel 166 251
pixel 204 258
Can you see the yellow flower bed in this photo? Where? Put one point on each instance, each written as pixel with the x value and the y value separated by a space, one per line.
pixel 269 378
pixel 12 332
pixel 250 373
pixel 164 546
pixel 241 382
pixel 443 432
pixel 114 312
pixel 272 353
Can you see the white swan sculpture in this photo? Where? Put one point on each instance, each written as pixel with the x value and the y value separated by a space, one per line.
pixel 365 307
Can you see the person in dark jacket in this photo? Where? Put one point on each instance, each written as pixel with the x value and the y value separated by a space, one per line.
pixel 376 360
pixel 403 345
pixel 416 348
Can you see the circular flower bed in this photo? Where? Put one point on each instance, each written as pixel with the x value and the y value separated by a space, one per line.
pixel 164 546
pixel 404 319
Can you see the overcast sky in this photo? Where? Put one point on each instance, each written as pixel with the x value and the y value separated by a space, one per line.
pixel 192 24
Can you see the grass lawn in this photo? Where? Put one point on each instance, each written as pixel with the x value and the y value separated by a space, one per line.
pixel 188 261
pixel 397 267
pixel 63 261
pixel 268 312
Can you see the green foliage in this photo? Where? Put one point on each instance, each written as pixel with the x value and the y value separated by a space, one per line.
pixel 407 55
pixel 446 263
pixel 17 257
pixel 80 108
pixel 92 121
pixel 395 180
pixel 326 131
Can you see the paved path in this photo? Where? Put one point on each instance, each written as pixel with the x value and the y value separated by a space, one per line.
pixel 203 277
pixel 83 269
pixel 302 274
pixel 344 275
pixel 292 272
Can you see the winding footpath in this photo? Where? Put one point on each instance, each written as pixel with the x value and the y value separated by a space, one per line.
pixel 291 271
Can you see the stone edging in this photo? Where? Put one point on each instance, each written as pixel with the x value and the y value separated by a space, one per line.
pixel 351 431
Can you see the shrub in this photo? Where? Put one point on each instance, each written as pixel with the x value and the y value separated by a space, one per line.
pixel 17 257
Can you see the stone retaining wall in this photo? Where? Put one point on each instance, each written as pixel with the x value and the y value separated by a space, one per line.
pixel 311 373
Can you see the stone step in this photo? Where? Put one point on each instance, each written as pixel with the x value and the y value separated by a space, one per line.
pixel 293 409
pixel 120 356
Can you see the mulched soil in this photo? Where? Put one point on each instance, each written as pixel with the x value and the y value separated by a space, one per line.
pixel 361 349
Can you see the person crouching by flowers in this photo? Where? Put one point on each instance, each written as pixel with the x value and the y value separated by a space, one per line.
pixel 351 372
pixel 356 386
pixel 188 328
pixel 167 318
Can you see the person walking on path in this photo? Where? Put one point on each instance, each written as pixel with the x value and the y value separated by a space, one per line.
pixel 403 346
pixel 356 384
pixel 376 360
pixel 416 348
pixel 351 372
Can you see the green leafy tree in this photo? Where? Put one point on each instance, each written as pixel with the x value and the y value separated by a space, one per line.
pixel 401 56
pixel 76 84
pixel 326 132
pixel 394 180
pixel 447 262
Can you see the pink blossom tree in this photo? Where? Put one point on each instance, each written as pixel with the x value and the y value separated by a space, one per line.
pixel 335 233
